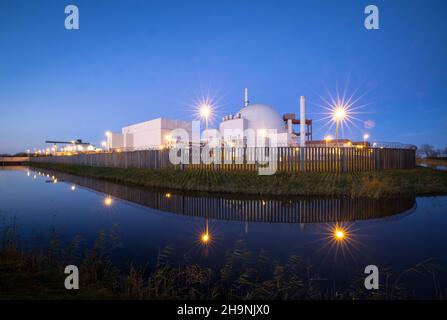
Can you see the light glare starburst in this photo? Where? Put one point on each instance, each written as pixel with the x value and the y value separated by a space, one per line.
pixel 205 108
pixel 341 111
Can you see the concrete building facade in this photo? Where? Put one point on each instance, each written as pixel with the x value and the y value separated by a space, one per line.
pixel 154 134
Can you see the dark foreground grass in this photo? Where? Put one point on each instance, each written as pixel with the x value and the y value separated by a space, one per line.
pixel 418 181
pixel 243 275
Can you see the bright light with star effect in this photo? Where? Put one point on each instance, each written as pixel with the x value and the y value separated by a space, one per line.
pixel 341 111
pixel 205 108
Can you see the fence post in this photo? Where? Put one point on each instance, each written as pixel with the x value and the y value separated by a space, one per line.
pixel 343 159
pixel 302 158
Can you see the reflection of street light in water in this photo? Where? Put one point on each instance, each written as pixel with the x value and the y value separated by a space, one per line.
pixel 205 237
pixel 341 241
pixel 339 234
pixel 108 201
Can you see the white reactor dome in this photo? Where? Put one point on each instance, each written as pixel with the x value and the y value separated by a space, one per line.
pixel 261 116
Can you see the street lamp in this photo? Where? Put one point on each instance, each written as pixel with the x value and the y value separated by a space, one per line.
pixel 328 138
pixel 365 137
pixel 339 115
pixel 205 112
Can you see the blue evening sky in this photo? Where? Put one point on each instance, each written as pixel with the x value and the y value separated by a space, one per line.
pixel 132 61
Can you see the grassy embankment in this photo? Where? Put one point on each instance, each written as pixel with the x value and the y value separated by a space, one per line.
pixel 418 181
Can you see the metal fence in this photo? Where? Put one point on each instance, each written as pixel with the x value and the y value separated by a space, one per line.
pixel 286 159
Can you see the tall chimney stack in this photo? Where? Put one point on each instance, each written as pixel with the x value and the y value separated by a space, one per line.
pixel 246 102
pixel 302 121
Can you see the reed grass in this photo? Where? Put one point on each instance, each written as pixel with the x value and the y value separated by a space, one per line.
pixel 244 275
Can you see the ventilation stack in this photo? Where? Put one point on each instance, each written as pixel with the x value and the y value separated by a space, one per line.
pixel 302 121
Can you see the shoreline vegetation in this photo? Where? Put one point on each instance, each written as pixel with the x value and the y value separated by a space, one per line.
pixel 388 183
pixel 38 273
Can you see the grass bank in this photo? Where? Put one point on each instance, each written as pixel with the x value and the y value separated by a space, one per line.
pixel 418 181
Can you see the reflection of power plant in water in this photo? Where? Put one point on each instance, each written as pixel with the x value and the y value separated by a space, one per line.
pixel 305 210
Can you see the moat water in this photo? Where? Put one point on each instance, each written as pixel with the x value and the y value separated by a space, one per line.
pixel 393 234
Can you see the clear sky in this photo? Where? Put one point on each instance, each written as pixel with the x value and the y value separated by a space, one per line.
pixel 132 61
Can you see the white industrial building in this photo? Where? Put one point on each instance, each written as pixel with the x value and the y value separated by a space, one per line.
pixel 253 125
pixel 153 134
pixel 260 124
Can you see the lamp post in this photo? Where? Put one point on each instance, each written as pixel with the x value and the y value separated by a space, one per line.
pixel 327 139
pixel 339 115
pixel 365 137
pixel 205 112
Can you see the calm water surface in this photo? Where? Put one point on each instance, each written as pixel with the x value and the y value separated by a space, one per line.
pixel 394 233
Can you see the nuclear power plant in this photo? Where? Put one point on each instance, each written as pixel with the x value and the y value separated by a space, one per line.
pixel 253 125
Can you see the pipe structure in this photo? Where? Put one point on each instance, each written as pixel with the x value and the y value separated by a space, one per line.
pixel 246 102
